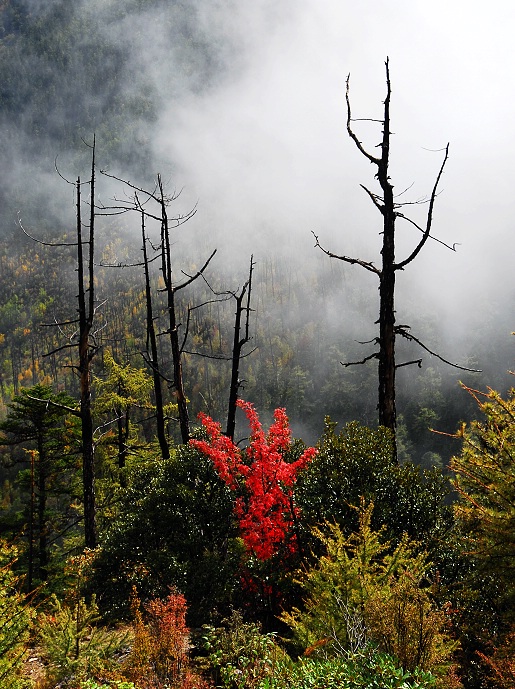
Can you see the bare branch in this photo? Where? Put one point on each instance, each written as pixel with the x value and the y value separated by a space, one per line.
pixel 217 357
pixel 409 363
pixel 435 239
pixel 58 324
pixel 128 183
pixel 365 119
pixel 405 190
pixel 40 241
pixel 408 336
pixel 186 331
pixel 352 135
pixel 154 368
pixel 375 355
pixel 375 198
pixel 110 422
pixel 122 265
pixel 57 405
pixel 347 259
pixel 60 349
pixel 156 195
pixel 416 251
pixel 226 296
pixel 191 278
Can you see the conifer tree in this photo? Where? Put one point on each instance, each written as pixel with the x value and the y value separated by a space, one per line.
pixel 38 420
pixel 485 481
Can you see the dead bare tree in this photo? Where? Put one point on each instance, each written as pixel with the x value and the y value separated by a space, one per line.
pixel 140 202
pixel 390 209
pixel 239 342
pixel 87 350
pixel 84 339
pixel 152 352
pixel 173 329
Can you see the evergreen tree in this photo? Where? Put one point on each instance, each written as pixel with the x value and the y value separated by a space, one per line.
pixel 485 481
pixel 39 420
pixel 15 620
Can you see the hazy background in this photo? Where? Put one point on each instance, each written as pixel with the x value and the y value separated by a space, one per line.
pixel 241 104
pixel 264 148
pixel 266 151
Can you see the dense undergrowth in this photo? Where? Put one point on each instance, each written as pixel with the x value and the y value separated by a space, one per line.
pixel 365 575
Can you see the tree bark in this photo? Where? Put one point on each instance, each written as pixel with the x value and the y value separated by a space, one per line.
pixel 238 343
pixel 86 314
pixel 386 368
pixel 178 382
pixel 152 349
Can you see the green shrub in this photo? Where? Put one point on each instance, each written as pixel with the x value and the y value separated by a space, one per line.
pixel 363 591
pixel 239 655
pixel 358 462
pixel 175 528
pixel 72 643
pixel 368 669
pixel 15 620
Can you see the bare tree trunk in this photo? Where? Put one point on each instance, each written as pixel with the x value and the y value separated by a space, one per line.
pixel 173 332
pixel 152 349
pixel 390 210
pixel 238 344
pixel 86 314
pixel 177 347
pixel 386 368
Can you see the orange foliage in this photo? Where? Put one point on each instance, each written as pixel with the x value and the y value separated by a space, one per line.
pixel 502 663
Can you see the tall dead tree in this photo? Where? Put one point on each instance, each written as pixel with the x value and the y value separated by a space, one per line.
pixel 152 352
pixel 87 350
pixel 142 202
pixel 84 340
pixel 173 327
pixel 239 340
pixel 390 210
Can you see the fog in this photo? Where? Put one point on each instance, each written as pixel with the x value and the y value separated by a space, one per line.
pixel 242 106
pixel 265 148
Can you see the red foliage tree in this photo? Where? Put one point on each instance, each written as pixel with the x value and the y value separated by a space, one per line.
pixel 260 475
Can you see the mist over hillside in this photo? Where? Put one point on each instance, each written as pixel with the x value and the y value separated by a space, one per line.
pixel 241 105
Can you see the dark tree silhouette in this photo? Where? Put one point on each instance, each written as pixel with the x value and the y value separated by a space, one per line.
pixel 239 341
pixel 390 209
pixel 143 202
pixel 87 350
pixel 84 338
pixel 151 356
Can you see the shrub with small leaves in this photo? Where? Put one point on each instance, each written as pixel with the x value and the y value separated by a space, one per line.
pixel 73 644
pixel 15 620
pixel 160 653
pixel 239 655
pixel 363 590
pixel 367 669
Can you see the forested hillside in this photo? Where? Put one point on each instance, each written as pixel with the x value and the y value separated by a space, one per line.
pixel 144 543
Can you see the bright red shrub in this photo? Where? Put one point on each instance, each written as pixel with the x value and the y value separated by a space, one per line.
pixel 264 481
